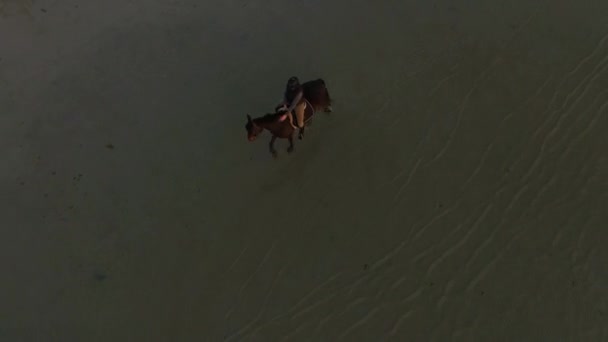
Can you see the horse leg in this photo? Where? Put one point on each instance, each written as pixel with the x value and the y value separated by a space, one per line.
pixel 271 146
pixel 290 148
pixel 301 133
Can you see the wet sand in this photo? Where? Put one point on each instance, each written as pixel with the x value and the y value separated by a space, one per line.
pixel 459 190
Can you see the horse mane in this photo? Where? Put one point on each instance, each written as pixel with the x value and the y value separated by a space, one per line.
pixel 267 118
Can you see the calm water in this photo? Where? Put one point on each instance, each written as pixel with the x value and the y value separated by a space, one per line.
pixel 458 192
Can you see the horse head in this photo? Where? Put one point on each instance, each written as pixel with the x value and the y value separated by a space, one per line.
pixel 252 129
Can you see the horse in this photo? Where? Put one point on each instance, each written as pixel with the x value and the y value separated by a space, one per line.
pixel 317 98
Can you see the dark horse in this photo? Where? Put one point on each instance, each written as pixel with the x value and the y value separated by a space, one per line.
pixel 317 97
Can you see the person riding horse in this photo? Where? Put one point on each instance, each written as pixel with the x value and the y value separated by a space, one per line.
pixel 306 99
pixel 293 98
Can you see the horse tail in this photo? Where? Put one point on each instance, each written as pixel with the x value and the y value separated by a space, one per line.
pixel 327 97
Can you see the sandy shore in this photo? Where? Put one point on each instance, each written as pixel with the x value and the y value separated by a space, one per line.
pixel 459 190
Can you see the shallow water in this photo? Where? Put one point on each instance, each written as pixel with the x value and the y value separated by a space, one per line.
pixel 458 191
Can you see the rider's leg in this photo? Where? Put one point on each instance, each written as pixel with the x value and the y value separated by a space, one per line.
pixel 300 114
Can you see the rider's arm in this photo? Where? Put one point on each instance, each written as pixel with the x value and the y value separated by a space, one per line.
pixel 295 101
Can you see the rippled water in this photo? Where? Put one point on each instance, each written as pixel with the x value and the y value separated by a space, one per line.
pixel 458 191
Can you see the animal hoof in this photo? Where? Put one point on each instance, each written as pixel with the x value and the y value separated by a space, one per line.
pixel 328 109
pixel 274 154
pixel 289 149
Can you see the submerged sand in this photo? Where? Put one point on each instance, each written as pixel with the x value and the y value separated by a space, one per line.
pixel 459 190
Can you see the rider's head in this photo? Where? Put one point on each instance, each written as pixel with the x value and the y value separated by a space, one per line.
pixel 293 83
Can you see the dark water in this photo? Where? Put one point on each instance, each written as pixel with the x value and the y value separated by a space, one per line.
pixel 458 191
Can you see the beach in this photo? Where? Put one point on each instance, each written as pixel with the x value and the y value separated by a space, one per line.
pixel 457 192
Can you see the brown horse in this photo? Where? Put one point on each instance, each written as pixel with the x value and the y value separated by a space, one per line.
pixel 317 97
